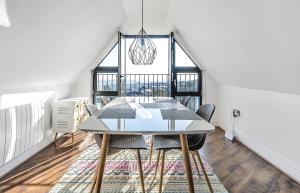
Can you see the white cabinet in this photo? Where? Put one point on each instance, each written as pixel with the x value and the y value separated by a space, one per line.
pixel 67 114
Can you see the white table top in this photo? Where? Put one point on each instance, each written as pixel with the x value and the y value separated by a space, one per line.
pixel 146 115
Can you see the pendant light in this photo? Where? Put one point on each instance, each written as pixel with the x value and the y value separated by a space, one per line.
pixel 142 50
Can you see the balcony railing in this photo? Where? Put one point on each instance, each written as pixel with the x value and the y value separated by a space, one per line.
pixel 148 85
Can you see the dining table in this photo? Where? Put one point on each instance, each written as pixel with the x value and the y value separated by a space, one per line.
pixel 145 116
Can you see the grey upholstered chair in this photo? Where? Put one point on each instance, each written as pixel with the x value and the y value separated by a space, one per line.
pixel 196 141
pixel 185 100
pixel 121 142
pixel 105 100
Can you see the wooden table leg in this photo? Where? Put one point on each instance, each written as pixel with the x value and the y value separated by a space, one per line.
pixel 187 163
pixel 102 159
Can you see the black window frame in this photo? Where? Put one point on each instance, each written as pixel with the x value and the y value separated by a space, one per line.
pixel 172 66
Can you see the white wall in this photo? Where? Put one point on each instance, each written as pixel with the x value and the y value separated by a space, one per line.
pixel 25 123
pixel 83 85
pixel 269 124
pixel 209 83
pixel 48 44
pixel 210 93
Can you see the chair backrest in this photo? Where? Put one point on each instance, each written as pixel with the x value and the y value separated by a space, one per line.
pixel 105 100
pixel 98 138
pixel 92 109
pixel 185 100
pixel 87 110
pixel 206 111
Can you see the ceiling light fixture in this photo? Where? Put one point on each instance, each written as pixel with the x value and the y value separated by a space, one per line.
pixel 142 50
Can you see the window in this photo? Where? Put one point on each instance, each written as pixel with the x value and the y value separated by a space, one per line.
pixel 173 73
pixel 160 64
pixel 187 79
pixel 182 59
pixel 106 77
pixel 111 60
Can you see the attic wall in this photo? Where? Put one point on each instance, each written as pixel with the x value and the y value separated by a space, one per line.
pixel 268 124
pixel 41 53
pixel 25 123
pixel 209 83
pixel 210 94
pixel 83 85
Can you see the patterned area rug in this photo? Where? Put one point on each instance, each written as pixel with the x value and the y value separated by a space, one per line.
pixel 121 174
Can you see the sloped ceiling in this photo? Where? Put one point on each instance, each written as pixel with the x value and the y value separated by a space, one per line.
pixel 49 42
pixel 250 44
pixel 155 16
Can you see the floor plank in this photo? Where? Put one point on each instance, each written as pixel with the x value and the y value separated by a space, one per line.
pixel 239 169
pixel 243 171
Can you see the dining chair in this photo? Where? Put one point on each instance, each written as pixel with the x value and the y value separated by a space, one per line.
pixel 105 100
pixel 120 142
pixel 184 101
pixel 195 141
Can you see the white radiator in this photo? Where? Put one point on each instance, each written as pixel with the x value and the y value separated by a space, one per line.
pixel 21 128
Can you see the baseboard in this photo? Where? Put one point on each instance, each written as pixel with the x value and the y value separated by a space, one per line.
pixel 277 161
pixel 12 164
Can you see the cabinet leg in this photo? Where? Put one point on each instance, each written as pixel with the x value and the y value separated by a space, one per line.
pixel 73 139
pixel 55 138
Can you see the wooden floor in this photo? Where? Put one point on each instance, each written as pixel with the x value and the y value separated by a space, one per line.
pixel 239 169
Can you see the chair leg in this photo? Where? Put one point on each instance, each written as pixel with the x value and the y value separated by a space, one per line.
pixel 204 172
pixel 162 170
pixel 140 170
pixel 157 162
pixel 151 151
pixel 195 162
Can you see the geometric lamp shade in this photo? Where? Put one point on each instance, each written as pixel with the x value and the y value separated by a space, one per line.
pixel 142 50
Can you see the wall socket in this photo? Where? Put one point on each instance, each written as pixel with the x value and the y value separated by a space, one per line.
pixel 236 113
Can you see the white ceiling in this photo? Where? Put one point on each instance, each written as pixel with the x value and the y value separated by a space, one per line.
pixel 251 44
pixel 155 16
pixel 153 9
pixel 49 42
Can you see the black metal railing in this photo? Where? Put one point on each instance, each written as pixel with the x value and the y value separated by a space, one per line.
pixel 107 81
pixel 147 84
pixel 187 82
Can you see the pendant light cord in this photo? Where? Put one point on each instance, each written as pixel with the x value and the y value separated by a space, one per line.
pixel 142 15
